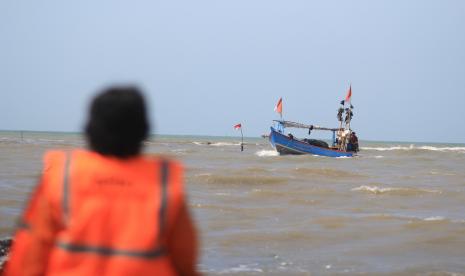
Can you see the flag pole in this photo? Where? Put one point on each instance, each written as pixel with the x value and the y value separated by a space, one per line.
pixel 350 118
pixel 281 113
pixel 242 140
pixel 350 105
pixel 339 132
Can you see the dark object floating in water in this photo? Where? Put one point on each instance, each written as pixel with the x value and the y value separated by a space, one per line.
pixel 5 247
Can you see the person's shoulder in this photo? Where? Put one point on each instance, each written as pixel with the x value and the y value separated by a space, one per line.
pixel 53 156
pixel 55 152
pixel 61 155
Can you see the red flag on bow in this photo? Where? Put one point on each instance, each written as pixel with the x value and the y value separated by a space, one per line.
pixel 279 106
pixel 238 126
pixel 349 93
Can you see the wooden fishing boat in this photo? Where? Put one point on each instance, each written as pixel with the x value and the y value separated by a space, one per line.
pixel 344 140
pixel 288 144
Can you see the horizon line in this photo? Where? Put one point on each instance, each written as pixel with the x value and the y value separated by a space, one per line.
pixel 222 136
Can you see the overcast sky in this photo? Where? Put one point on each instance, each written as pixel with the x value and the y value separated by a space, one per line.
pixel 207 65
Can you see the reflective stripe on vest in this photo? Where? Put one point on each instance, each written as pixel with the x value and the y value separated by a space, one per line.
pixel 157 251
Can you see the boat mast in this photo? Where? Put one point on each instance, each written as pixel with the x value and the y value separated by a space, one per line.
pixel 339 132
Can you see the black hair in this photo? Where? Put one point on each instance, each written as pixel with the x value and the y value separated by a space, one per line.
pixel 117 122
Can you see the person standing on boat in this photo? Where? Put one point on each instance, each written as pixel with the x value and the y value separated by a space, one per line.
pixel 109 210
pixel 353 142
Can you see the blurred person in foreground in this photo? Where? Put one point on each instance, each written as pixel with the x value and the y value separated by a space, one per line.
pixel 109 210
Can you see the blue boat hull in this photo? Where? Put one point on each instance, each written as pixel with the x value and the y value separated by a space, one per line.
pixel 286 145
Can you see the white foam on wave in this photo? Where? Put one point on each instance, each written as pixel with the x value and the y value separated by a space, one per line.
pixel 267 153
pixel 380 190
pixel 223 144
pixel 413 147
pixel 241 269
pixel 203 174
pixel 179 150
pixel 436 218
pixel 50 140
pixel 373 189
pixel 216 144
pixel 433 172
pixel 415 218
pixel 444 219
pixel 443 148
pixel 343 157
pixel 369 156
pixel 34 141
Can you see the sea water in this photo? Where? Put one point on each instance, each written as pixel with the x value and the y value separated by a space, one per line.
pixel 396 208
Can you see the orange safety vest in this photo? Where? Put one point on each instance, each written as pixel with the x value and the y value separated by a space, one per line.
pixel 115 213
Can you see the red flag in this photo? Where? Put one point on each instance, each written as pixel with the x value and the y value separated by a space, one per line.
pixel 349 93
pixel 279 106
pixel 238 126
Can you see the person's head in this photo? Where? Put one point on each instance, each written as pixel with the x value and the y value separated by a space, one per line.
pixel 117 122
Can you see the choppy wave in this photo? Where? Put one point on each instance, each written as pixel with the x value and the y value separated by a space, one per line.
pixel 413 218
pixel 436 218
pixel 258 170
pixel 436 172
pixel 216 144
pixel 331 222
pixel 267 153
pixel 203 174
pixel 279 266
pixel 426 270
pixel 29 141
pixel 327 172
pixel 413 147
pixel 410 221
pixel 251 268
pixel 428 222
pixel 181 151
pixel 224 144
pixel 243 179
pixel 394 190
